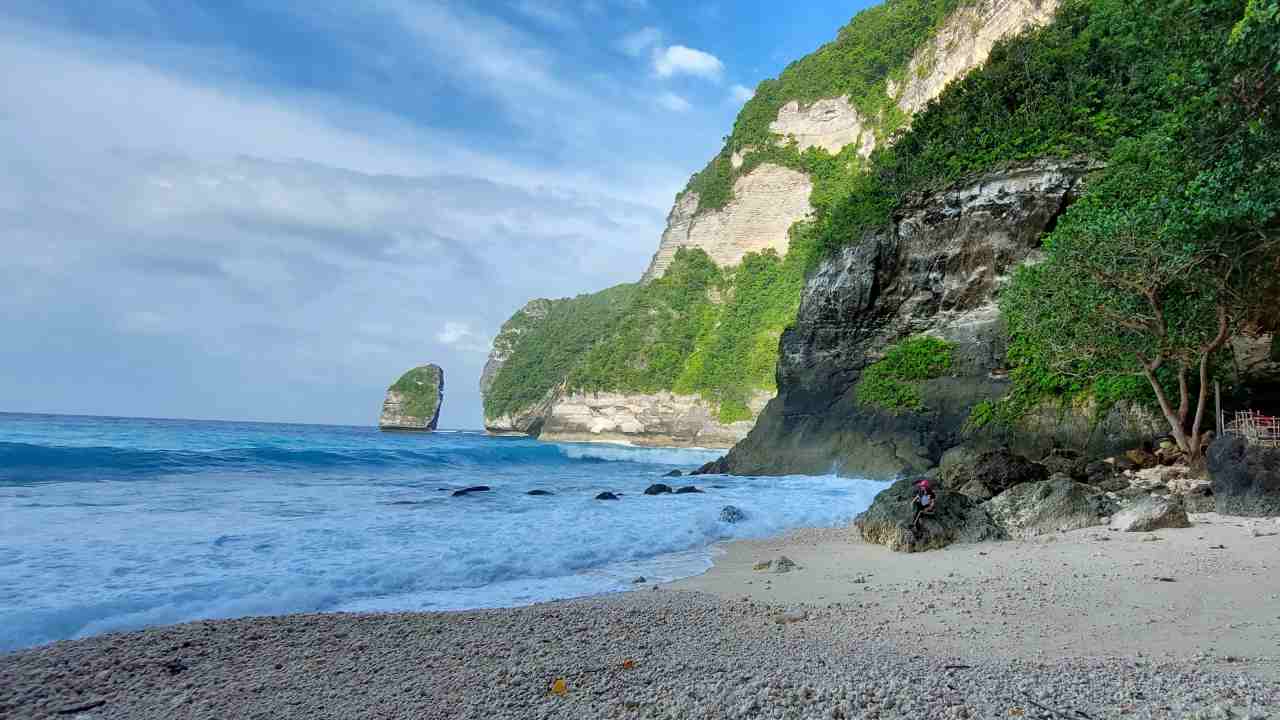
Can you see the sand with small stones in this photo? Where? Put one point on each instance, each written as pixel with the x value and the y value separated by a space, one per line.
pixel 1076 626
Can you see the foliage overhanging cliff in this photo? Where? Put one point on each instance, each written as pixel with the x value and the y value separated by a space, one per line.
pixel 1103 77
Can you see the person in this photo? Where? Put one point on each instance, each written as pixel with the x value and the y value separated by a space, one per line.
pixel 923 503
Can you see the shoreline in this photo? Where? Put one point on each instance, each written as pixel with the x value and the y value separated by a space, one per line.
pixel 1208 591
pixel 1064 621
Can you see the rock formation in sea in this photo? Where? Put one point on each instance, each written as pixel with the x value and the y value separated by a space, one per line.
pixel 413 402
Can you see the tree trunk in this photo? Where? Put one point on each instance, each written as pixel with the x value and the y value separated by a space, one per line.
pixel 1170 415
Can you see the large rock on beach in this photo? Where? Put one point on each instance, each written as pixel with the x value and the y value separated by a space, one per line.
pixel 1246 479
pixel 1152 513
pixel 1053 505
pixel 957 519
pixel 413 401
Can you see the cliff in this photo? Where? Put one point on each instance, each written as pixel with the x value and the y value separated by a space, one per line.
pixel 795 147
pixel 413 401
pixel 934 270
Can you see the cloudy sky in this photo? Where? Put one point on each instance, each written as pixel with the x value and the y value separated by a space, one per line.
pixel 268 210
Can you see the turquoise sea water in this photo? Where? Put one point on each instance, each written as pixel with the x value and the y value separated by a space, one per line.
pixel 115 523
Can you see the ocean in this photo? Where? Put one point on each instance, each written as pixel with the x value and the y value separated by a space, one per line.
pixel 113 524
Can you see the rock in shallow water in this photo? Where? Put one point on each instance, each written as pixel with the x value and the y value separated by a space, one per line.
pixel 657 489
pixel 467 491
pixel 687 489
pixel 673 473
pixel 731 514
pixel 606 496
pixel 539 493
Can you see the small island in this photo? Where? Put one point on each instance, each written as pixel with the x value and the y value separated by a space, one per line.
pixel 413 401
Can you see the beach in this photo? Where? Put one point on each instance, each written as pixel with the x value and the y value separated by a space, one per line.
pixel 1084 624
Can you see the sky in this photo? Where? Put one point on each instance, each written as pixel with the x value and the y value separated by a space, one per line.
pixel 269 210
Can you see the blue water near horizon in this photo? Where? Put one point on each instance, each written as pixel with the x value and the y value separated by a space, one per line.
pixel 120 523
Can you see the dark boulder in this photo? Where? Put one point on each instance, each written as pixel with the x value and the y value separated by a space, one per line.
pixel 957 519
pixel 673 473
pixel 687 489
pixel 997 470
pixel 606 496
pixel 467 491
pixel 1246 478
pixel 1054 505
pixel 730 514
pixel 715 467
pixel 540 493
pixel 657 489
pixel 1065 462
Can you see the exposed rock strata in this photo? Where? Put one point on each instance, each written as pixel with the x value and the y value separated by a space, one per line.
pixel 766 202
pixel 661 419
pixel 413 402
pixel 963 43
pixel 830 124
pixel 934 269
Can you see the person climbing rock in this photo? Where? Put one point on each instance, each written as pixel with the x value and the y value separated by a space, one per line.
pixel 923 503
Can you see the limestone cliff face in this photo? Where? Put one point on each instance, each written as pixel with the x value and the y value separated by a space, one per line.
pixel 661 419
pixel 413 402
pixel 935 269
pixel 963 43
pixel 529 420
pixel 767 202
pixel 770 199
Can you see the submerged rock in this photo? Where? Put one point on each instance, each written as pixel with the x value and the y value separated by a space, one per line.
pixel 957 519
pixel 1151 513
pixel 657 489
pixel 1246 479
pixel 606 496
pixel 731 514
pixel 468 491
pixel 413 401
pixel 687 489
pixel 1056 504
pixel 539 493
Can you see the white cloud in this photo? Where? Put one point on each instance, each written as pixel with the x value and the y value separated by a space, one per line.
pixel 681 60
pixel 264 241
pixel 740 94
pixel 460 335
pixel 673 102
pixel 636 44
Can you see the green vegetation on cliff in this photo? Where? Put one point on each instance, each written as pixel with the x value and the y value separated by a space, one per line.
pixel 893 382
pixel 697 330
pixel 548 349
pixel 421 390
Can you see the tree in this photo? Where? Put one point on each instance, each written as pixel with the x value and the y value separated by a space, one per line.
pixel 1153 272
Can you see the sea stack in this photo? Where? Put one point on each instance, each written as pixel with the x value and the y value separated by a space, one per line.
pixel 413 401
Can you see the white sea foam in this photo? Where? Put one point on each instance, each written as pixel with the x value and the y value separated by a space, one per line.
pixel 85 556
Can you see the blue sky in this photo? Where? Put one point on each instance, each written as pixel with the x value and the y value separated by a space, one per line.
pixel 268 210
